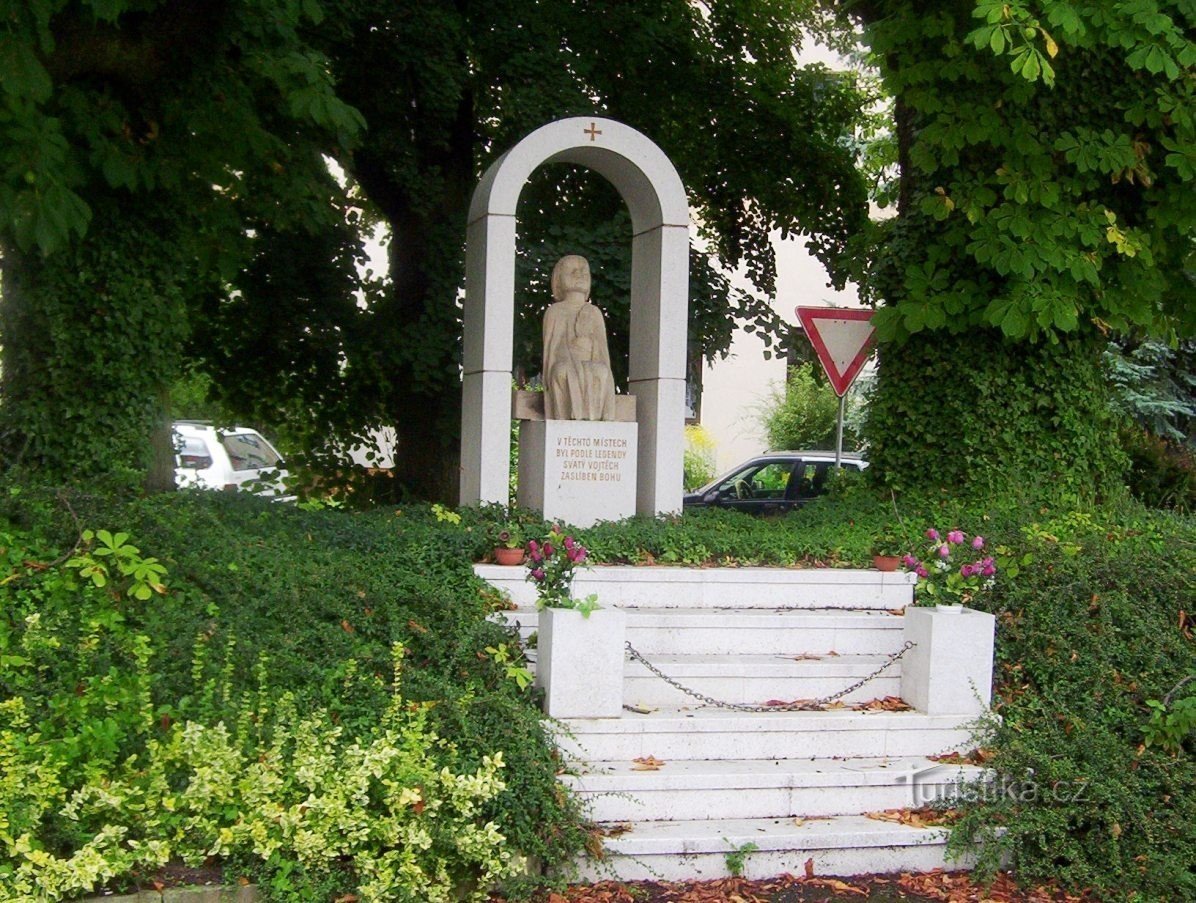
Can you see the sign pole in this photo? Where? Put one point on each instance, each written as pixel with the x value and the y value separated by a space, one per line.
pixel 839 435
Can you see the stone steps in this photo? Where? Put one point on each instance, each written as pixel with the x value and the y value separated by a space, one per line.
pixel 688 790
pixel 706 733
pixel 739 588
pixel 797 785
pixel 755 679
pixel 709 631
pixel 698 850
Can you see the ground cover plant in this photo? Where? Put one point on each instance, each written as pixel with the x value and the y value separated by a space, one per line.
pixel 263 641
pixel 307 696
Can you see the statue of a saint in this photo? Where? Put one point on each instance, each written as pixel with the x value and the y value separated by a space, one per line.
pixel 578 383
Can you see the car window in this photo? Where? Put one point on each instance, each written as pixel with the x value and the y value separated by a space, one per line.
pixel 192 452
pixel 249 451
pixel 758 481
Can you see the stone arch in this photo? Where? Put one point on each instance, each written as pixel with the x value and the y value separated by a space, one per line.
pixel 655 197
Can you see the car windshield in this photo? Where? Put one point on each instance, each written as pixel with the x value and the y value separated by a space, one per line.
pixel 249 451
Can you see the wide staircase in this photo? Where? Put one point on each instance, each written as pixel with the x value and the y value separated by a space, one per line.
pixel 687 788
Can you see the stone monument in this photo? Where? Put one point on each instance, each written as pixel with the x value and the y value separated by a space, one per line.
pixel 577 455
pixel 578 383
pixel 649 456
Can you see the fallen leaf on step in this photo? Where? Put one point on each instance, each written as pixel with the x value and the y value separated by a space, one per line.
pixel 802 819
pixel 617 829
pixel 639 709
pixel 806 657
pixel 810 867
pixel 835 706
pixel 885 704
pixel 646 763
pixel 925 817
pixel 895 611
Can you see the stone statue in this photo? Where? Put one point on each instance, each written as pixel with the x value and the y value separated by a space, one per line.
pixel 578 383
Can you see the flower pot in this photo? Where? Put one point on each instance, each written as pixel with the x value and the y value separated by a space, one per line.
pixel 503 555
pixel 886 562
pixel 580 662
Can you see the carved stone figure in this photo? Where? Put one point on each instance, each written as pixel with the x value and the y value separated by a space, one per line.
pixel 578 383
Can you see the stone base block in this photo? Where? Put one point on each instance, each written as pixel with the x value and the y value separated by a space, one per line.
pixel 579 662
pixel 578 472
pixel 950 670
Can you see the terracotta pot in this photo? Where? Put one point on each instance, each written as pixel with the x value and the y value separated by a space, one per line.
pixel 503 555
pixel 886 562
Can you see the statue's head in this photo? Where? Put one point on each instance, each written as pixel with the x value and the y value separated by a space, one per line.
pixel 571 274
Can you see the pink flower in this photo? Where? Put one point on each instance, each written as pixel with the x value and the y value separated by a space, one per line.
pixel 909 561
pixel 944 551
pixel 922 572
pixel 978 542
pixel 533 546
pixel 955 537
pixel 932 533
pixel 967 571
pixel 538 574
pixel 548 550
pixel 569 543
pixel 988 567
pixel 535 556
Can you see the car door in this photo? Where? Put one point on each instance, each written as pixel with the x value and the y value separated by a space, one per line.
pixel 760 488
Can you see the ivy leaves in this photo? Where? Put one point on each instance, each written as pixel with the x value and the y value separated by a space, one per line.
pixel 1050 149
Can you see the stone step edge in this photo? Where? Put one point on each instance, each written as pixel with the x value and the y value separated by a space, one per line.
pixel 612 776
pixel 740 618
pixel 712 720
pixel 681 575
pixel 721 836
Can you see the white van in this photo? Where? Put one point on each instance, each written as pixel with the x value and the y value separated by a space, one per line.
pixel 231 458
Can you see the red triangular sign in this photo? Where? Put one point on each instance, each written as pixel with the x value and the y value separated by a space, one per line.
pixel 842 339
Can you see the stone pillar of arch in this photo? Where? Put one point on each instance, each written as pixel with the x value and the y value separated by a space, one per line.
pixel 655 197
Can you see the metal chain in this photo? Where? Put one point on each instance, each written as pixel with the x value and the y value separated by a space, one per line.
pixel 805 705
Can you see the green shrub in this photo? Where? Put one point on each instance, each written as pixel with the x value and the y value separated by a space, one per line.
pixel 262 602
pixel 698 464
pixel 1162 474
pixel 803 413
pixel 1088 634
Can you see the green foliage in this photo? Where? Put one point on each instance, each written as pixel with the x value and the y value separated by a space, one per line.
pixel 1087 637
pixel 698 464
pixel 1047 157
pixel 1034 416
pixel 737 858
pixel 1156 385
pixel 803 414
pixel 1162 474
pixel 1170 723
pixel 191 681
pixel 142 144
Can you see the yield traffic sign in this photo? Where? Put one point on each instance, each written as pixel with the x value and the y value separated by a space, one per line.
pixel 842 339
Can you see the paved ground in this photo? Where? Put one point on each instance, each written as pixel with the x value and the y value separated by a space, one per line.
pixel 936 886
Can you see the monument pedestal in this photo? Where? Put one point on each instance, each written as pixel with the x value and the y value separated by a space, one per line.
pixel 578 472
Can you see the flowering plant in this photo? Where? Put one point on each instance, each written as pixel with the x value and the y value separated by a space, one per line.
pixel 509 535
pixel 954 568
pixel 552 563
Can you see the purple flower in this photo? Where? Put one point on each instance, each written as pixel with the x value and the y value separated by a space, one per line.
pixel 944 551
pixel 922 572
pixel 569 543
pixel 978 542
pixel 535 556
pixel 538 574
pixel 955 537
pixel 967 570
pixel 909 561
pixel 932 533
pixel 533 547
pixel 988 567
pixel 548 550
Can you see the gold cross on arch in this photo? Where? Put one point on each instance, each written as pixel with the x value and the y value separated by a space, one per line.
pixel 593 131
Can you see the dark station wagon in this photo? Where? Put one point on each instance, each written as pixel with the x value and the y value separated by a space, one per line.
pixel 773 483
